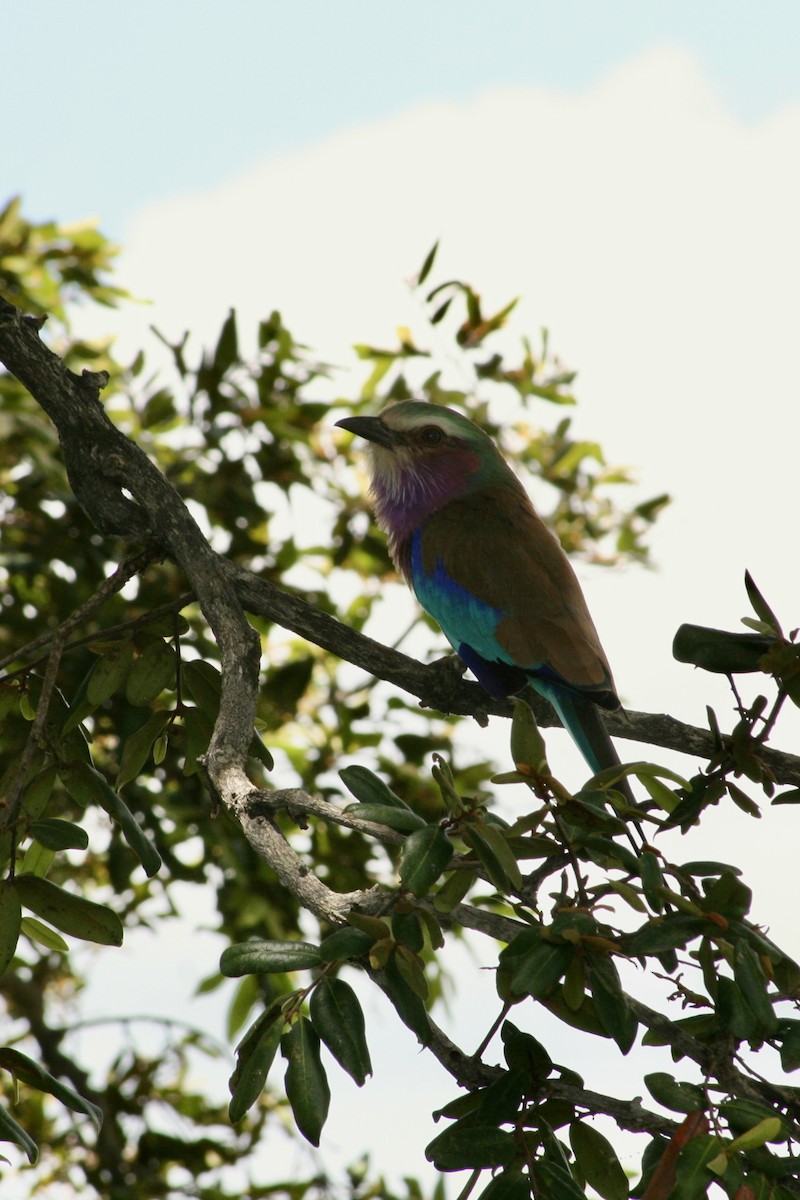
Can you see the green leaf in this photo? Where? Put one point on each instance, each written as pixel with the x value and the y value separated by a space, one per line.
pixel 790 1047
pixel 470 1147
pixel 453 890
pixel 56 834
pixel 536 965
pixel 407 928
pixel 400 819
pixel 510 1184
pixel 109 673
pixel 151 673
pixel 760 606
pixel 750 979
pixel 406 1001
pixel 554 1181
pixel 652 880
pixel 82 779
pixel 524 1053
pixel 527 744
pixel 678 1097
pixel 337 1017
pixel 494 854
pixel 43 935
pixel 10 1131
pixel 227 348
pixel 34 1075
pixel 721 652
pixel 266 957
pixel 611 1002
pixel 204 683
pixel 37 793
pixel 71 914
pixel 138 746
pixel 733 1011
pixel 693 1177
pixel 425 856
pixel 254 1057
pixel 344 944
pixel 369 789
pixel 597 1161
pixel 306 1082
pixel 728 896
pixel 37 860
pixel 671 932
pixel 769 1129
pixel 412 969
pixel 425 269
pixel 10 920
pixel 744 1115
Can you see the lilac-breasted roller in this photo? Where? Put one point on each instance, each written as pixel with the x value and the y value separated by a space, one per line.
pixel 467 540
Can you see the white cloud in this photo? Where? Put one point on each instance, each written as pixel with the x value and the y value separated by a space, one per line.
pixel 651 233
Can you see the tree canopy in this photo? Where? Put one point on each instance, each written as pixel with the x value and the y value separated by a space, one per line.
pixel 190 697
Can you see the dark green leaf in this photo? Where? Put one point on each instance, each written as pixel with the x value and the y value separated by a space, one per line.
pixel 597 1161
pixel 721 652
pixel 401 819
pixel 10 918
pixel 425 855
pixel 368 788
pixel 453 890
pixel 470 1146
pixel 56 834
pixel 678 1097
pixel 138 746
pixel 750 979
pixel 693 1177
pixel 10 1131
pixel 425 269
pixel 670 932
pixel 494 854
pixel 306 1082
pixel 790 1047
pixel 407 1003
pixel 510 1184
pixel 227 349
pixel 611 1002
pixel 109 673
pixel 265 957
pixel 254 1057
pixel 554 1181
pixel 152 672
pixel 407 928
pixel 92 786
pixel 344 944
pixel 70 913
pixel 337 1017
pixel 34 1075
pixel 536 965
pixel 760 606
pixel 733 1011
pixel 524 1053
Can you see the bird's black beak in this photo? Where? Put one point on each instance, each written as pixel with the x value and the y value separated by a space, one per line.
pixel 371 428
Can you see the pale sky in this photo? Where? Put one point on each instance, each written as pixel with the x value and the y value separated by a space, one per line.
pixel 630 170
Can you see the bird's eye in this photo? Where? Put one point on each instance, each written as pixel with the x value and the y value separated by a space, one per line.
pixel 431 435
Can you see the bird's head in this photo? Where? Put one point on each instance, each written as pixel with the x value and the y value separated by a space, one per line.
pixel 420 456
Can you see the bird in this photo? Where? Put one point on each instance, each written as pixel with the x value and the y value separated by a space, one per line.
pixel 466 538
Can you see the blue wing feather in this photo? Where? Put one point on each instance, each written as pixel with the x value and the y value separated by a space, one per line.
pixel 470 624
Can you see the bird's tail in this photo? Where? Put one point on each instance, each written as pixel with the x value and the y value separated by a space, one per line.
pixel 582 720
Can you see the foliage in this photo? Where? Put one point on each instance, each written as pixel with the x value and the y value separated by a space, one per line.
pixel 107 821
